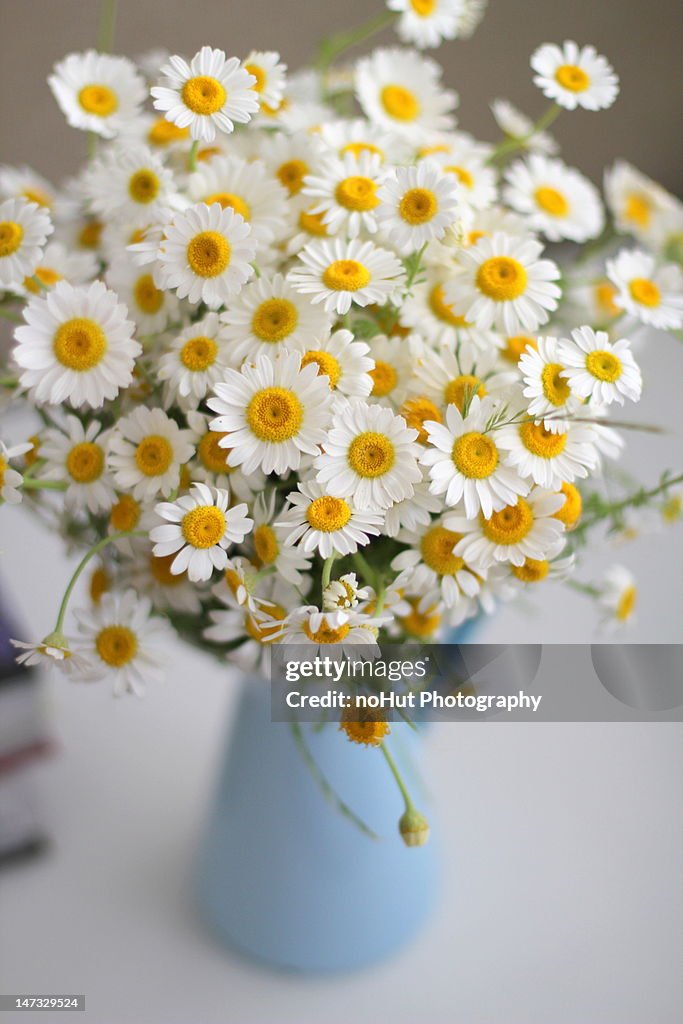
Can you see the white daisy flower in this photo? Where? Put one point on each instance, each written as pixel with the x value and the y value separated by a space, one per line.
pixel 546 384
pixel 130 183
pixel 199 527
pixel 400 90
pixel 599 369
pixel 470 19
pixel 194 361
pixel 97 92
pixel 339 273
pixel 346 363
pixel 209 93
pixel 269 313
pixel 556 199
pixel 417 205
pixel 454 379
pixel 535 570
pixel 370 454
pixel 25 183
pixel 24 228
pixel 269 75
pixel 593 301
pixel 519 127
pixel 77 346
pixel 290 158
pixel 210 464
pixel 638 204
pixel 652 294
pixel 151 575
pixel 11 479
pixel 524 529
pixel 358 136
pixel 270 412
pixel 256 627
pixel 319 521
pixel 78 457
pixel 504 283
pixel 464 159
pixel 121 641
pixel 426 23
pixel 59 263
pixel 393 373
pixel 411 513
pixel 206 254
pixel 310 627
pixel 618 596
pixel 425 309
pixel 269 541
pixel 465 463
pixel 430 567
pixel 247 188
pixel 574 76
pixel 549 457
pixel 241 580
pixel 149 306
pixel 53 650
pixel 345 193
pixel 146 449
pixel 344 593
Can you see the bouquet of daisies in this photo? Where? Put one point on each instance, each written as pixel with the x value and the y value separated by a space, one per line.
pixel 309 364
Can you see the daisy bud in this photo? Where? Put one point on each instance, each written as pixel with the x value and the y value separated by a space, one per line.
pixel 414 828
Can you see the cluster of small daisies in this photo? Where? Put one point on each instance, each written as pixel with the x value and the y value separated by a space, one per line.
pixel 306 362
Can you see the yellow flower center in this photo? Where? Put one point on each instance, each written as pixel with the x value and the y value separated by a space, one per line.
pixel 211 455
pixel 672 509
pixel 510 525
pixel 265 545
pixel 466 384
pixel 116 645
pixel 604 297
pixel 645 292
pixel 627 604
pixel 89 235
pixel 400 103
pixel 274 320
pixel 208 254
pixel 232 202
pixel 416 411
pixel 47 275
pixel 204 95
pixel 34 195
pixel 148 298
pixel 424 7
pixel 264 632
pixel 99 584
pixel 532 571
pixel 160 569
pixel 537 439
pixel 364 731
pixel 274 414
pixel 99 100
pixel 436 548
pixel 208 153
pixel 328 366
pixel 371 454
pixel 31 455
pixel 203 526
pixel 79 344
pixel 358 148
pixel 604 365
pixel 555 387
pixel 3 467
pixel 259 74
pixel 85 462
pixel 501 278
pixel 418 205
pixel 328 514
pixel 291 174
pixel 515 346
pixel 474 236
pixel 384 378
pixel 327 634
pixel 475 455
pixel 570 512
pixel 125 514
pixel 163 132
pixel 346 276
pixel 572 78
pixel 199 353
pixel 312 223
pixel 357 193
pixel 464 176
pixel 442 310
pixel 638 209
pixel 144 186
pixel 551 201
pixel 419 624
pixel 153 455
pixel 11 235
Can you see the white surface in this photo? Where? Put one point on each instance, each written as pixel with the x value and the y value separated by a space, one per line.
pixel 562 898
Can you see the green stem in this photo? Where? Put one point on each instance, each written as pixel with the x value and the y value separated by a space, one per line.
pixel 364 569
pixel 584 588
pixel 512 144
pixel 81 566
pixel 8 382
pixel 9 315
pixel 41 284
pixel 327 571
pixel 332 47
pixel 192 159
pixel 639 497
pixel 107 26
pixel 397 776
pixel 43 485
